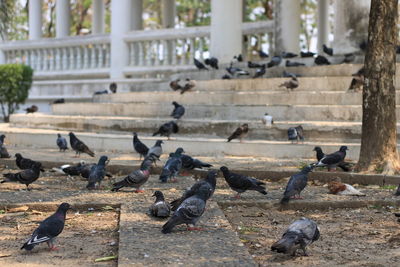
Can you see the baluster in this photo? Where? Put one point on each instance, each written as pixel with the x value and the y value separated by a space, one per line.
pixel 78 58
pixel 100 63
pixel 131 61
pixel 107 64
pixel 141 53
pixel 157 53
pixel 51 59
pixel 173 52
pixel 93 56
pixel 39 60
pixel 71 58
pixel 201 47
pixel 165 52
pixel 65 58
pixel 271 43
pixel 28 57
pixel 85 57
pixel 45 63
pixel 192 49
pixel 149 45
pixel 33 59
pixel 57 58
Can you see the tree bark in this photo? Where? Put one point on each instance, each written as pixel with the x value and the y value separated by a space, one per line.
pixel 379 134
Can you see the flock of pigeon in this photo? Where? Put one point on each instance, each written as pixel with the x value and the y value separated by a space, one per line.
pixel 188 208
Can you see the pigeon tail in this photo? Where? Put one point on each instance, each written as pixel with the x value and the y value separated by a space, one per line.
pixel 168 226
pixel 285 200
pixel 285 244
pixel 117 186
pixel 28 247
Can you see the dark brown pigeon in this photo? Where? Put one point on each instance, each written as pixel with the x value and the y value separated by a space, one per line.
pixel 79 146
pixel 239 133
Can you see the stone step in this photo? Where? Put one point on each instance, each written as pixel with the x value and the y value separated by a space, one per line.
pixel 313 130
pixel 198 146
pixel 241 97
pixel 216 112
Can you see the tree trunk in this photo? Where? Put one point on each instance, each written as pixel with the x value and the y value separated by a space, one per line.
pixel 379 135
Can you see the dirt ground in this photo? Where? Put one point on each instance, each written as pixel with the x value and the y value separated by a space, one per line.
pixel 87 235
pixel 358 237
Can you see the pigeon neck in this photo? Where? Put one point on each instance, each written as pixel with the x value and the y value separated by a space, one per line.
pixel 159 198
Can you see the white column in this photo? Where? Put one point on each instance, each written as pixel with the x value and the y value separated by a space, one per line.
pixel 168 13
pixel 98 16
pixel 323 24
pixel 287 26
pixel 35 19
pixel 120 25
pixel 226 29
pixel 62 18
pixel 351 25
pixel 135 8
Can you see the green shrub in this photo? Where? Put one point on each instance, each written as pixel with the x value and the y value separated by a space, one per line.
pixel 15 82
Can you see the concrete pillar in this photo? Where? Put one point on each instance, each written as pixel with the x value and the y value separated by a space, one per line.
pixel 63 15
pixel 226 29
pixel 98 8
pixel 168 13
pixel 351 25
pixel 136 14
pixel 323 24
pixel 120 25
pixel 287 26
pixel 35 19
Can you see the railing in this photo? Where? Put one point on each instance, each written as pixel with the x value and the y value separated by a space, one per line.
pixel 78 53
pixel 154 51
pixel 158 49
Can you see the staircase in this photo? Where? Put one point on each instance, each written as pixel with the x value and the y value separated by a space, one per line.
pixel 330 115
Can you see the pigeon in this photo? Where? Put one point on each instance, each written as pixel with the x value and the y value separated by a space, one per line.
pixel 189 163
pixel 307 54
pixel 97 173
pixel 178 111
pixel 136 178
pixel 190 84
pixel 3 150
pixel 226 77
pixel 241 183
pixel 296 134
pixel 287 74
pixel 321 60
pixel 291 84
pixel 212 62
pixel 239 58
pixel 160 207
pixel 25 177
pixel 24 163
pixel 199 65
pixel 293 64
pixel 139 147
pixel 31 109
pixel 61 143
pixel 288 55
pixel 113 87
pixel 262 54
pixel 72 170
pixel 360 72
pixel 332 160
pixel 49 229
pixel 296 184
pixel 357 83
pixel 275 61
pixel 156 150
pixel 59 101
pixel 167 129
pixel 363 45
pixel 299 235
pixel 397 193
pixel 253 65
pixel 78 145
pixel 209 182
pixel 343 189
pixel 240 132
pixel 348 58
pixel 172 167
pixel 327 50
pixel 104 92
pixel 234 71
pixel 260 72
pixel 189 211
pixel 320 154
pixel 175 85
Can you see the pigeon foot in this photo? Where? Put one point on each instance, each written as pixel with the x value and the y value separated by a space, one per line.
pixel 139 191
pixel 195 229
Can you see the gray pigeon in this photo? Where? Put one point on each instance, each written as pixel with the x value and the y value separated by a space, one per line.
pixel 3 150
pixel 296 184
pixel 275 61
pixel 139 147
pixel 62 143
pixel 332 160
pixel 136 178
pixel 189 163
pixel 25 177
pixel 172 167
pixel 160 208
pixel 241 183
pixel 291 84
pixel 299 235
pixel 97 173
pixel 156 150
pixel 209 182
pixel 296 134
pixel 293 64
pixel 189 212
pixel 49 229
pixel 178 111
